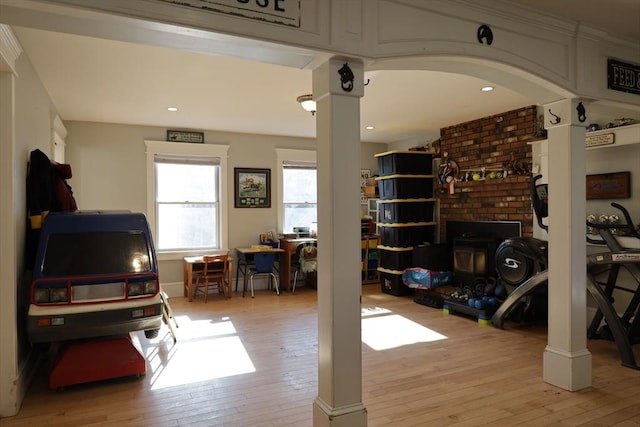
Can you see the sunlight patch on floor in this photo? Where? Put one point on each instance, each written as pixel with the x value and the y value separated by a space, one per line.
pixel 382 330
pixel 205 350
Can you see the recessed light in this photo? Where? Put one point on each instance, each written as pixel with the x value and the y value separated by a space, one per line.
pixel 172 108
pixel 369 128
pixel 487 88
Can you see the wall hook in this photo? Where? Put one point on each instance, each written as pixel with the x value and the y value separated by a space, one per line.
pixel 557 118
pixel 582 112
pixel 367 83
pixel 346 77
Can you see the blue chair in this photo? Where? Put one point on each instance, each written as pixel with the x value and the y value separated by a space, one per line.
pixel 263 264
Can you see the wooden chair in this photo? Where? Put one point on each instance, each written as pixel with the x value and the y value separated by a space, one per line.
pixel 214 274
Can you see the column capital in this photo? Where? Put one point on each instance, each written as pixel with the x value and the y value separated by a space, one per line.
pixel 573 111
pixel 339 76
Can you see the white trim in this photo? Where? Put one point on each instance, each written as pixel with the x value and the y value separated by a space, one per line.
pixel 188 149
pixel 10 49
pixel 58 143
pixel 288 155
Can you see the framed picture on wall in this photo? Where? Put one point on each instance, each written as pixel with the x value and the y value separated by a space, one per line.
pixel 252 188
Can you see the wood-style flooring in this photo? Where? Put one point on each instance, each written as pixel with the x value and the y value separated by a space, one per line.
pixel 253 362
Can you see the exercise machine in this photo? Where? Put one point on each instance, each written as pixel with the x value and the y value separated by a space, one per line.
pixel 623 329
pixel 521 266
pixel 522 263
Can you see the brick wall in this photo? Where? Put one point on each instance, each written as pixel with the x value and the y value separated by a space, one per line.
pixel 489 142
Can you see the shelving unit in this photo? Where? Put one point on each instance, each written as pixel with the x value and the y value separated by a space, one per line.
pixel 370 258
pixel 406 213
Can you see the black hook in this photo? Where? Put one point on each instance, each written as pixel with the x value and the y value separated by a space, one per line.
pixel 367 83
pixel 484 33
pixel 346 77
pixel 557 118
pixel 582 112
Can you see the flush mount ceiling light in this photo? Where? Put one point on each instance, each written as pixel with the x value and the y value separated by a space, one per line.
pixel 172 108
pixel 307 103
pixel 487 88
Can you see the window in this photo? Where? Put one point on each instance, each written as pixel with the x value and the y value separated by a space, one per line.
pixel 187 203
pixel 187 199
pixel 298 198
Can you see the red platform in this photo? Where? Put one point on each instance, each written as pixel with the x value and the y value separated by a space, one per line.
pixel 97 359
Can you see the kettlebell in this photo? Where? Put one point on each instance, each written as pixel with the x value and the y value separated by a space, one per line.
pixel 500 291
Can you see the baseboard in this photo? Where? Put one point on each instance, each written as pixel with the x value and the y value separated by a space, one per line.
pixel 174 289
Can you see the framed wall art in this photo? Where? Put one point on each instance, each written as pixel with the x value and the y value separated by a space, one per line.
pixel 616 185
pixel 252 188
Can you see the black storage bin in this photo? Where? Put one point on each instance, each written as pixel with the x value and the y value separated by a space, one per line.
pixel 405 162
pixel 395 258
pixel 405 235
pixel 405 186
pixel 399 210
pixel 391 283
pixel 435 257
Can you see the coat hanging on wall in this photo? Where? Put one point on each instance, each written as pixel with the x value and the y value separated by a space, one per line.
pixel 47 191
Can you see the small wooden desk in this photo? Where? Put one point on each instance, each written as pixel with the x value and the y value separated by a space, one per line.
pixel 190 262
pixel 245 258
pixel 289 246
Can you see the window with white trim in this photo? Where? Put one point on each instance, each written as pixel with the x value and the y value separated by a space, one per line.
pixel 298 198
pixel 187 207
pixel 187 203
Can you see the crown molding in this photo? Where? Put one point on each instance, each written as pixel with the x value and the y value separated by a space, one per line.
pixel 10 49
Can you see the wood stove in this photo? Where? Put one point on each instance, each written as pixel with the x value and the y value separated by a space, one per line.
pixel 473 257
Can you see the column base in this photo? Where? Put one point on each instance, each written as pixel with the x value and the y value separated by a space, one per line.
pixel 568 370
pixel 348 416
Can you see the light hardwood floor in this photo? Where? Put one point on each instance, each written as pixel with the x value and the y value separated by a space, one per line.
pixel 253 362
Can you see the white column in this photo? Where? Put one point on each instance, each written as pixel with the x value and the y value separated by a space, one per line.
pixel 13 385
pixel 566 360
pixel 339 400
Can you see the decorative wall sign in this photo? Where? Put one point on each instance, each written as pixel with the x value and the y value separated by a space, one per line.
pixel 599 139
pixel 623 76
pixel 276 11
pixel 185 136
pixel 615 185
pixel 252 188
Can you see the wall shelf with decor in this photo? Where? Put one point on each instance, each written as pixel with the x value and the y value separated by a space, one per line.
pixel 620 136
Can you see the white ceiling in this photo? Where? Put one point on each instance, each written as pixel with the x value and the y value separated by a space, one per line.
pixel 101 80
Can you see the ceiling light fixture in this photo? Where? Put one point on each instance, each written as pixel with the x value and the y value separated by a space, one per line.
pixel 307 103
pixel 369 128
pixel 487 88
pixel 172 108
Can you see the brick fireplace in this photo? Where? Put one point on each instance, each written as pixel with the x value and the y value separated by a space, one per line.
pixel 489 142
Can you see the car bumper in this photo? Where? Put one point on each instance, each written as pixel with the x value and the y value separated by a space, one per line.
pixel 56 325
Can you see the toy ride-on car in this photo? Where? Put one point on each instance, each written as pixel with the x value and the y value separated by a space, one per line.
pixel 95 275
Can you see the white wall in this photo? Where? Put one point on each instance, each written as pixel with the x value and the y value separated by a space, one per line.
pixel 108 164
pixel 624 158
pixel 32 127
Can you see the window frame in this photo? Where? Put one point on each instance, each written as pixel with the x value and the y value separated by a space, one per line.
pixel 286 155
pixel 154 148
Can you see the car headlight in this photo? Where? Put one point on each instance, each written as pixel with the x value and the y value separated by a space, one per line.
pixel 135 289
pixel 58 295
pixel 41 295
pixel 150 287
